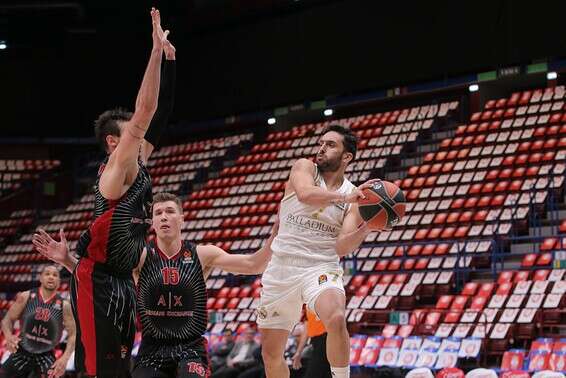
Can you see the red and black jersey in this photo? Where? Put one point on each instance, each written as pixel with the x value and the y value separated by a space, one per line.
pixel 172 296
pixel 42 323
pixel 117 236
pixel 172 310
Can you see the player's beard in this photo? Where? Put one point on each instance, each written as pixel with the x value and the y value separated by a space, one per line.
pixel 329 165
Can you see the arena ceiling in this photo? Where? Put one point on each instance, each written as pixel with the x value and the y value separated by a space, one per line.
pixel 67 60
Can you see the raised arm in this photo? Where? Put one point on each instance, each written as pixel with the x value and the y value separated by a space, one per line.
pixel 11 316
pixel 255 263
pixel 165 103
pixel 301 182
pixel 122 164
pixel 59 366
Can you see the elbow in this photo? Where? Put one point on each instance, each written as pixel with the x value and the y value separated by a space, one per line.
pixel 146 109
pixel 259 269
pixel 342 250
pixel 256 266
pixel 253 269
pixel 302 196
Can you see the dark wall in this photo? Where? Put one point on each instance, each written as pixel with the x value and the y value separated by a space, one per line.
pixel 336 48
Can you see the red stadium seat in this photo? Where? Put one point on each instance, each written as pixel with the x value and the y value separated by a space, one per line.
pixel 470 288
pixel 444 302
pixel 544 259
pixel 521 276
pixel 513 360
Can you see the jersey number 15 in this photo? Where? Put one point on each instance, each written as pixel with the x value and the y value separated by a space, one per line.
pixel 170 276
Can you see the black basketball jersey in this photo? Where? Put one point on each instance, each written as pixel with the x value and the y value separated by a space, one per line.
pixel 42 323
pixel 117 236
pixel 172 296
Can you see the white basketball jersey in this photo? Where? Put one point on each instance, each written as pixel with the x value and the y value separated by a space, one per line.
pixel 310 232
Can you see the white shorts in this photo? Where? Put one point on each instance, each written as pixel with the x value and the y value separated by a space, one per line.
pixel 287 285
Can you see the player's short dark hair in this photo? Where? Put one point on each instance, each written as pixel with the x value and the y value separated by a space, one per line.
pixel 44 267
pixel 350 140
pixel 107 124
pixel 164 197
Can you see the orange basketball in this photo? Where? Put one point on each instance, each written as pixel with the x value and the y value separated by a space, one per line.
pixel 384 205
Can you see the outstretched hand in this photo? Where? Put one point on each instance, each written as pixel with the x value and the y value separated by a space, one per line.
pixel 58 368
pixel 157 31
pixel 56 251
pixel 358 194
pixel 159 36
pixel 168 47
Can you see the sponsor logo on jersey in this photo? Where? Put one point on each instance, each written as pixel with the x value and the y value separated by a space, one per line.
pixel 311 224
pixel 187 257
pixel 196 368
pixel 322 279
pixel 123 351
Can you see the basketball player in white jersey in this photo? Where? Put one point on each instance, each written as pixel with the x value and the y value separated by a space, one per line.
pixel 319 223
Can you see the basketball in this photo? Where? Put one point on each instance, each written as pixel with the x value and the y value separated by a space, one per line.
pixel 384 205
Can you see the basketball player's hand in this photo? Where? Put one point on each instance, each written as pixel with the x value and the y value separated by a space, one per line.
pixel 168 47
pixel 57 251
pixel 357 194
pixel 297 361
pixel 12 343
pixel 159 36
pixel 58 368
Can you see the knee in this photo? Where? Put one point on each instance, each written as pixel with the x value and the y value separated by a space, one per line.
pixel 271 357
pixel 336 322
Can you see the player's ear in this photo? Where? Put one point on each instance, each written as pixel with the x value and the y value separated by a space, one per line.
pixel 348 157
pixel 111 142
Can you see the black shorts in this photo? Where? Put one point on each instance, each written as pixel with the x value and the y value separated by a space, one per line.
pixel 318 366
pixel 22 364
pixel 104 309
pixel 172 361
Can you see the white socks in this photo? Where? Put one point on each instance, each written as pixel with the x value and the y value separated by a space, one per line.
pixel 340 372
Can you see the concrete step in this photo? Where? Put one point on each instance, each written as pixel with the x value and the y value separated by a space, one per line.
pixel 411 161
pixel 511 264
pixel 523 248
pixel 428 147
pixel 394 175
pixel 543 231
pixel 481 277
pixel 556 214
pixel 439 135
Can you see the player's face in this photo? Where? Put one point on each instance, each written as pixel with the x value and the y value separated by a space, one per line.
pixel 331 152
pixel 249 335
pixel 49 278
pixel 167 219
pixel 228 337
